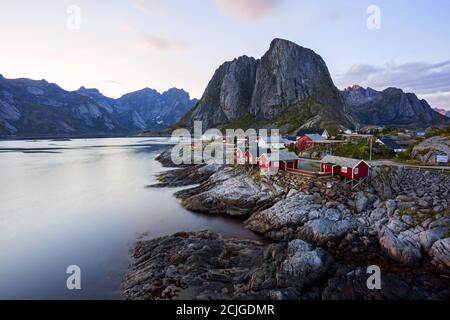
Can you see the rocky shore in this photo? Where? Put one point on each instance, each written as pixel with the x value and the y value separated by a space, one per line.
pixel 325 236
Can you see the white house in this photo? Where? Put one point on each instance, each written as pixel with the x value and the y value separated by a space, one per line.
pixel 269 143
pixel 321 132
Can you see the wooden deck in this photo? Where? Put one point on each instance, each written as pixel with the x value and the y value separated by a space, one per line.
pixel 303 173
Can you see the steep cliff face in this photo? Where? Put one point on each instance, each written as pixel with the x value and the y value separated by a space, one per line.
pixel 228 94
pixel 391 107
pixel 290 74
pixel 289 87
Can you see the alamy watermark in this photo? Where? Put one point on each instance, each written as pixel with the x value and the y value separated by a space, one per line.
pixel 73 21
pixel 374 280
pixel 74 280
pixel 374 20
pixel 236 147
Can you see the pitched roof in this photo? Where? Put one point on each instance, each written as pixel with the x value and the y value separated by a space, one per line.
pixel 342 162
pixel 391 143
pixel 315 137
pixel 256 152
pixel 304 132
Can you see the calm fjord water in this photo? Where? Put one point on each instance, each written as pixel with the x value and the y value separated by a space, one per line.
pixel 85 203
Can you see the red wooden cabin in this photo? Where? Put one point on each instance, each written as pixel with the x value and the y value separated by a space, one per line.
pixel 308 141
pixel 240 157
pixel 251 157
pixel 284 161
pixel 347 168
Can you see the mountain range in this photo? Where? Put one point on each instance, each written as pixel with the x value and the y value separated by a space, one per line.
pixel 38 108
pixel 390 107
pixel 290 88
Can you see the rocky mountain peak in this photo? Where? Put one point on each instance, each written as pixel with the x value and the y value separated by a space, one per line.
pixel 357 95
pixel 288 75
pixel 89 91
pixel 175 93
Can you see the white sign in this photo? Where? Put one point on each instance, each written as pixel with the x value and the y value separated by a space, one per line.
pixel 442 159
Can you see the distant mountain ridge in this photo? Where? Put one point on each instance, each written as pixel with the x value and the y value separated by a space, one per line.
pixel 444 112
pixel 38 108
pixel 391 107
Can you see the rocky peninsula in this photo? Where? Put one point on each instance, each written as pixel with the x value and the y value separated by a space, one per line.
pixel 324 233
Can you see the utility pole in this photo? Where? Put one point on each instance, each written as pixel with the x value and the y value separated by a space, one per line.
pixel 371 142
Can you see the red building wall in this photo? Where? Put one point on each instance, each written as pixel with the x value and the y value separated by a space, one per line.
pixel 292 164
pixel 264 162
pixel 250 159
pixel 343 174
pixel 363 171
pixel 326 167
pixel 240 157
pixel 304 143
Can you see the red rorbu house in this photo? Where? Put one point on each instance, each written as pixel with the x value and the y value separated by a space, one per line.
pixel 347 168
pixel 308 141
pixel 240 156
pixel 247 157
pixel 282 161
pixel 251 157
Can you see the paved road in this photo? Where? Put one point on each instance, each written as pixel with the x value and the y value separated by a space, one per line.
pixel 395 164
pixel 392 163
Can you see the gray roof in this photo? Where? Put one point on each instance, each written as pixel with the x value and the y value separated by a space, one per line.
pixel 343 162
pixel 283 156
pixel 315 137
pixel 391 143
pixel 304 132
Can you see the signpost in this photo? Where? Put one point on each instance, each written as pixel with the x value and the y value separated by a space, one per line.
pixel 442 159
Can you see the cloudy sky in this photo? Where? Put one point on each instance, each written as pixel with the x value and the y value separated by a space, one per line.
pixel 120 46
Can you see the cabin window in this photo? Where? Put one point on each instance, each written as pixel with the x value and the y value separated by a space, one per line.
pixel 344 169
pixel 356 170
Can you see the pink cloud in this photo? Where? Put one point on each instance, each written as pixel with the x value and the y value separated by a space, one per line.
pixel 159 42
pixel 246 10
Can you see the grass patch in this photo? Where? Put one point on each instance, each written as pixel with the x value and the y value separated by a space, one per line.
pixel 445 132
pixel 356 150
pixel 246 122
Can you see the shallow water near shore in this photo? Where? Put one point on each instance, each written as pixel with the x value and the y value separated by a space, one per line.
pixel 84 202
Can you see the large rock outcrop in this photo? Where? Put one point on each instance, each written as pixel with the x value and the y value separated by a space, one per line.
pixel 429 150
pixel 232 191
pixel 228 94
pixel 204 266
pixel 256 93
pixel 291 74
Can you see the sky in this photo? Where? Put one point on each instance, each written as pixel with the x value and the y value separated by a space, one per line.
pixel 119 46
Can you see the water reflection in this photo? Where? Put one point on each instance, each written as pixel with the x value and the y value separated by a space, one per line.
pixel 84 202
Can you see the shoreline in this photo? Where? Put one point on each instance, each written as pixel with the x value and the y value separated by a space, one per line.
pixel 297 212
